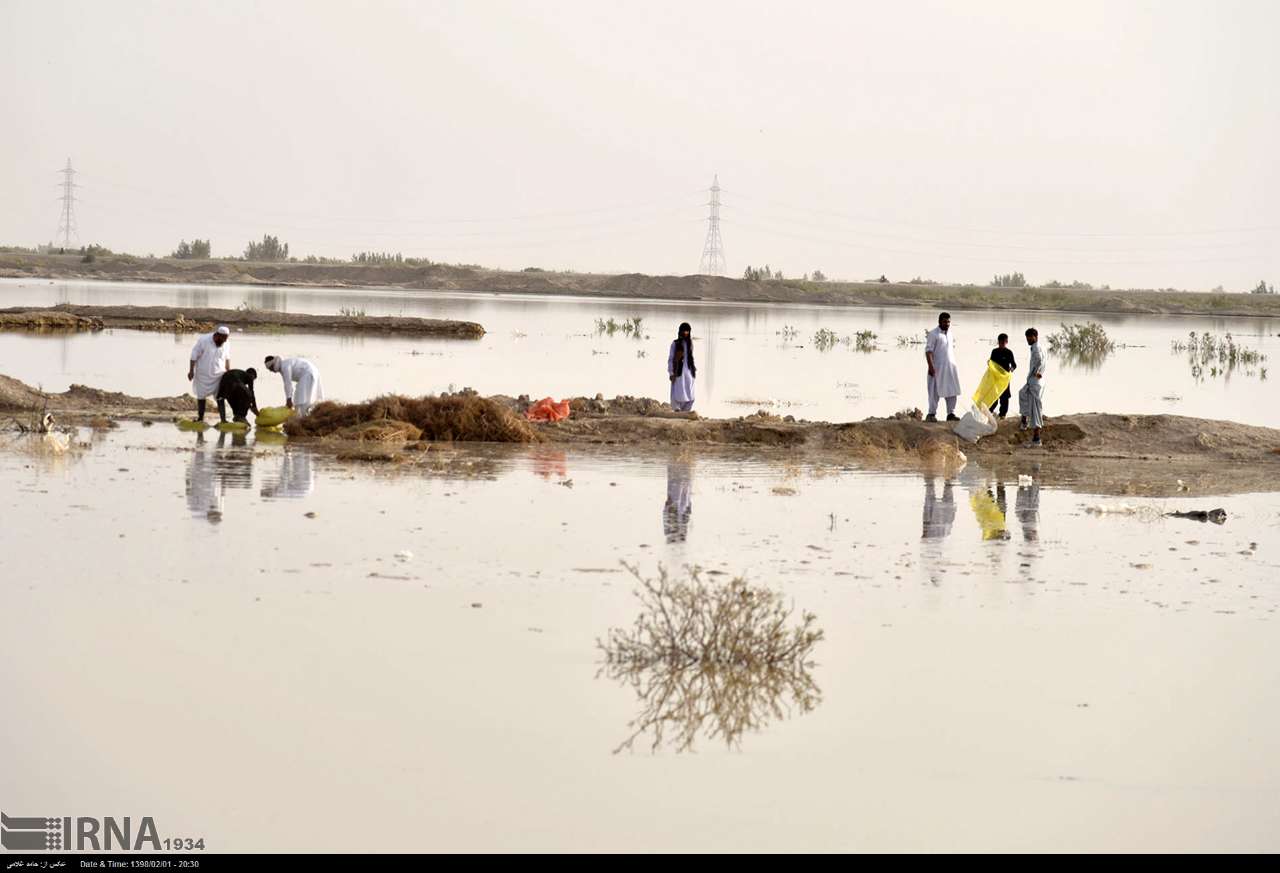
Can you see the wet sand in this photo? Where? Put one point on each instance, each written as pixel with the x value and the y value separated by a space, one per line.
pixel 195 320
pixel 443 277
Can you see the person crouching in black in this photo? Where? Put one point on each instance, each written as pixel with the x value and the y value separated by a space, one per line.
pixel 236 388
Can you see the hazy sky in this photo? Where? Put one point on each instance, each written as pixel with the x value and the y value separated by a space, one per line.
pixel 1136 144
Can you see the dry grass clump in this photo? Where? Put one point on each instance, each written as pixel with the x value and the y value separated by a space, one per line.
pixel 720 659
pixel 446 417
pixel 384 431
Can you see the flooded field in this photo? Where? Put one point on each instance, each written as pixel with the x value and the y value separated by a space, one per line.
pixel 245 641
pixel 749 356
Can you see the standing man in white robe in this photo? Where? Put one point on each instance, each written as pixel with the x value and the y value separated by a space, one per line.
pixel 944 378
pixel 302 388
pixel 210 358
pixel 1031 397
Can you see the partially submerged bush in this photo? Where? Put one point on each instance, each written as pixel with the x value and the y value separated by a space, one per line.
pixel 628 326
pixel 862 341
pixel 1084 343
pixel 447 417
pixel 719 659
pixel 1210 354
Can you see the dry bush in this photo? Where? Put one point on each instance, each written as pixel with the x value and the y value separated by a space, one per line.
pixel 447 417
pixel 385 431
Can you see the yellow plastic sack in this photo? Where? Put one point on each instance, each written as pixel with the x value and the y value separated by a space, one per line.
pixel 232 426
pixel 992 385
pixel 191 424
pixel 273 416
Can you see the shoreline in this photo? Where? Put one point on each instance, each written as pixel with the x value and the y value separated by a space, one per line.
pixel 440 278
pixel 67 317
pixel 1208 455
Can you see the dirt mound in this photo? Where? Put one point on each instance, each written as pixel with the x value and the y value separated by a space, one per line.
pixel 19 395
pixel 82 396
pixel 448 417
pixel 47 320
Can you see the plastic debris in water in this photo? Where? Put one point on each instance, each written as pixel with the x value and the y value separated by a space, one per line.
pixel 404 555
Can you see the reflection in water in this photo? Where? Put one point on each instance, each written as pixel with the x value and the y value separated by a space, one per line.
pixel 549 463
pixel 212 471
pixel 295 478
pixel 719 660
pixel 678 508
pixel 939 514
pixel 1027 508
pixel 989 509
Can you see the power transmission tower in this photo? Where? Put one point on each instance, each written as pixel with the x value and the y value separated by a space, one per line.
pixel 713 249
pixel 67 220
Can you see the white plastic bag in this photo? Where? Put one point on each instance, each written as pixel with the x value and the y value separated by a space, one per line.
pixel 976 424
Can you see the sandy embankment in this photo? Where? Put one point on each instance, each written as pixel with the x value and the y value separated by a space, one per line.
pixel 195 320
pixel 1207 455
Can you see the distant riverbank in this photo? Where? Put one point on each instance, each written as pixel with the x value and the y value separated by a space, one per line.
pixel 440 277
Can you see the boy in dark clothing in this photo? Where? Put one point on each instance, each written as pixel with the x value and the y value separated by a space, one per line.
pixel 236 388
pixel 1003 356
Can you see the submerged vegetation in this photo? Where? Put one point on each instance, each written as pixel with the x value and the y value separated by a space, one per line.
pixel 1213 356
pixel 627 327
pixel 719 659
pixel 862 341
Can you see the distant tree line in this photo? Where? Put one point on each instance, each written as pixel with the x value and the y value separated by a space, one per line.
pixel 270 249
pixel 1263 289
pixel 197 248
pixel 761 274
pixel 388 259
pixel 1009 280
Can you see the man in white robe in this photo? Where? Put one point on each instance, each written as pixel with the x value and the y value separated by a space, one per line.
pixel 210 358
pixel 1031 397
pixel 302 388
pixel 944 378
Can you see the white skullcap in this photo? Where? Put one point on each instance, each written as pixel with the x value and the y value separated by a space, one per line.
pixel 224 330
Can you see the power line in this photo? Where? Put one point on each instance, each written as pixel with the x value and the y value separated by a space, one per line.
pixel 1015 260
pixel 880 220
pixel 828 228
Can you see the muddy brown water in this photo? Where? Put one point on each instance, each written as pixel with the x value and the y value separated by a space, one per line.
pixel 749 356
pixel 243 640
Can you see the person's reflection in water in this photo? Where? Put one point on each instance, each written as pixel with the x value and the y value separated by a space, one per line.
pixel 204 491
pixel 295 479
pixel 939 513
pixel 989 509
pixel 678 508
pixel 1027 508
pixel 233 464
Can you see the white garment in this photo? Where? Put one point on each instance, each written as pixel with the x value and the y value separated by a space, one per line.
pixel 945 380
pixel 301 383
pixel 210 360
pixel 1031 397
pixel 682 387
pixel 933 400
